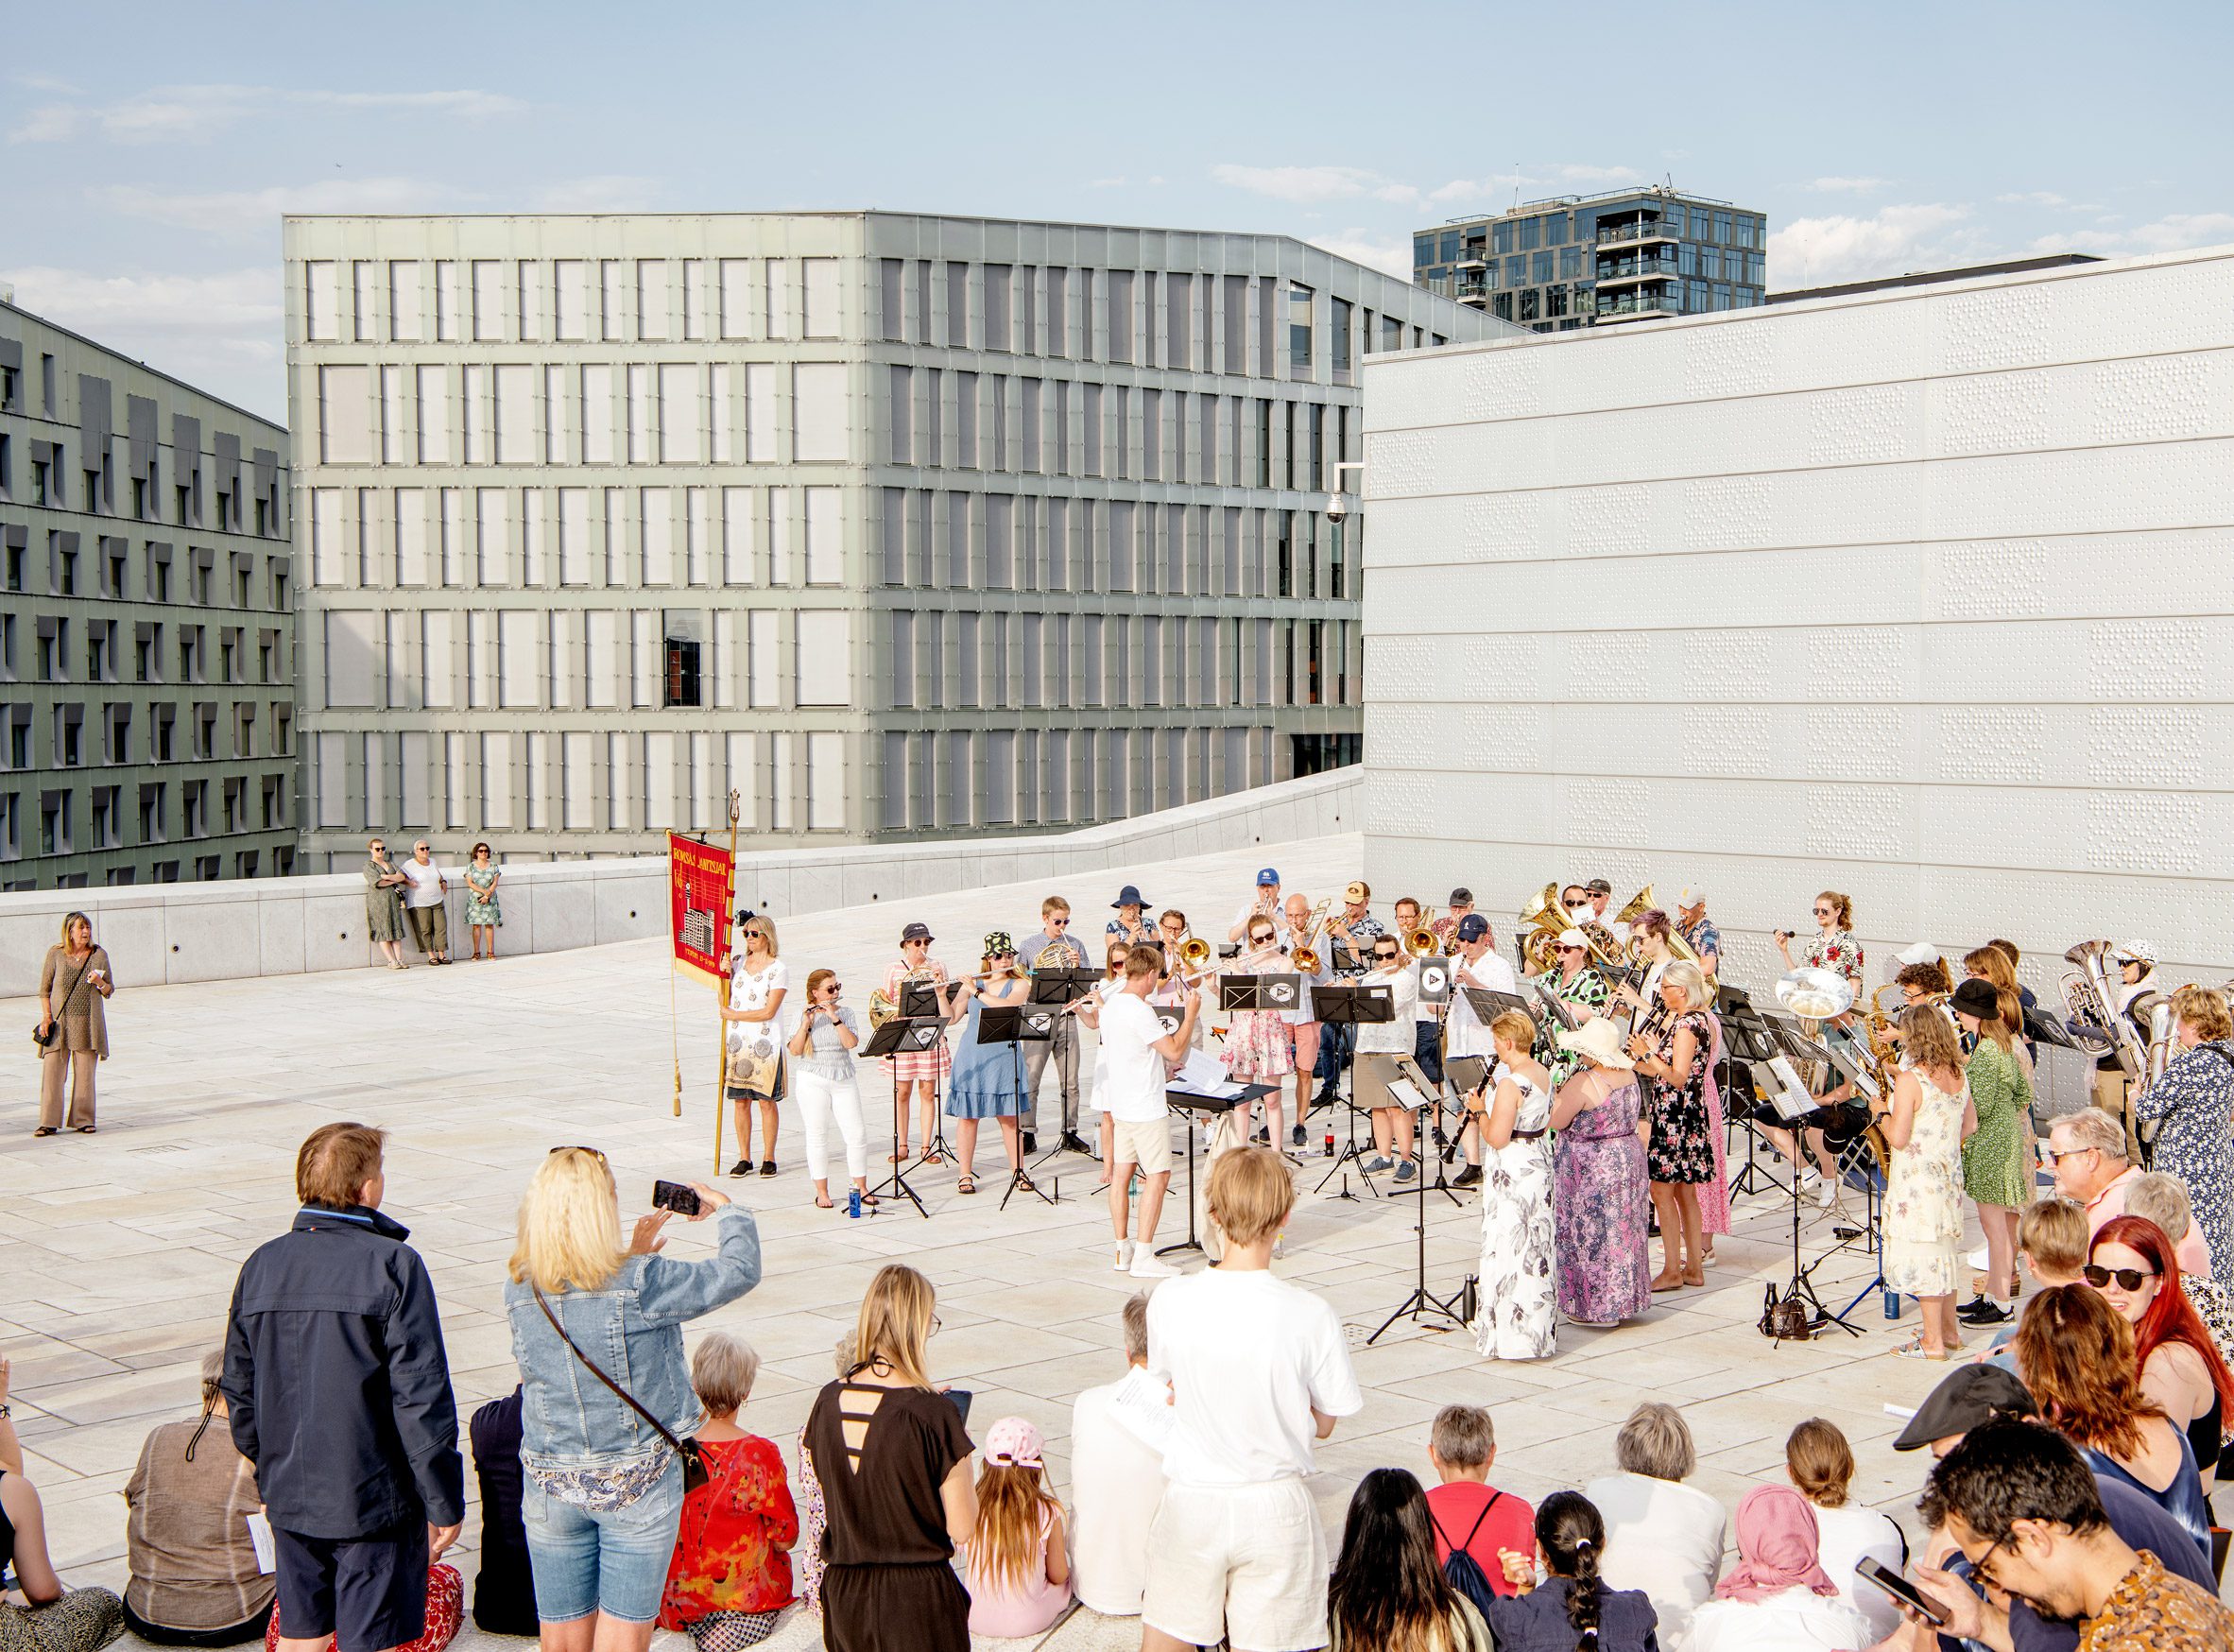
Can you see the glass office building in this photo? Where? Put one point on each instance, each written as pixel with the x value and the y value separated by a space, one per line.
pixel 1579 261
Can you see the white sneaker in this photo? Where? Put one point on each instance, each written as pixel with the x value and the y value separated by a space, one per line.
pixel 1809 1176
pixel 1123 1255
pixel 1147 1265
pixel 1826 1194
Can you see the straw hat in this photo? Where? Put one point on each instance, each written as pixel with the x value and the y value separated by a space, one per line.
pixel 1597 1041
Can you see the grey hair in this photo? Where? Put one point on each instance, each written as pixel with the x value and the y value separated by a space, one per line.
pixel 1656 1442
pixel 2162 1198
pixel 1463 1435
pixel 1136 1327
pixel 723 1372
pixel 844 1354
pixel 2090 1126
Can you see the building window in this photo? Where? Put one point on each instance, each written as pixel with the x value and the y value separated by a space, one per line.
pixel 683 673
pixel 1299 299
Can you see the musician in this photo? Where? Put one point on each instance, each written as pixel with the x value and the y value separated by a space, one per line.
pixel 1577 899
pixel 1583 990
pixel 1652 931
pixel 1357 929
pixel 1427 1018
pixel 1475 964
pixel 1294 937
pixel 1054 949
pixel 1600 894
pixel 1355 926
pixel 1171 934
pixel 1445 929
pixel 1258 1047
pixel 1833 946
pixel 1264 905
pixel 2135 963
pixel 1131 923
pixel 917 1072
pixel 989 1079
pixel 1700 932
pixel 1378 1044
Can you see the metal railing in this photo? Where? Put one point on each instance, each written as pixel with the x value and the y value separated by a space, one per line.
pixel 1637 303
pixel 1639 230
pixel 1635 269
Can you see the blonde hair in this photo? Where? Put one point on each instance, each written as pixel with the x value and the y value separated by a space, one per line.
pixel 1007 1546
pixel 767 926
pixel 1820 1462
pixel 2205 1010
pixel 1928 1038
pixel 1513 1027
pixel 71 921
pixel 2054 1234
pixel 722 1374
pixel 1053 904
pixel 1845 903
pixel 895 1323
pixel 569 1224
pixel 1688 978
pixel 1251 1194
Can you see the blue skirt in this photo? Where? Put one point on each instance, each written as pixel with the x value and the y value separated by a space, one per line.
pixel 987 1082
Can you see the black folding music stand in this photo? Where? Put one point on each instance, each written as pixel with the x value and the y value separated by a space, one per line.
pixel 1802 1286
pixel 1747 1040
pixel 919 1001
pixel 1193 1102
pixel 1352 1005
pixel 903 1035
pixel 1057 989
pixel 1431 1100
pixel 1423 1300
pixel 1014 1025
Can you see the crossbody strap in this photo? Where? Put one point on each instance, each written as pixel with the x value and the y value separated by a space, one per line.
pixel 630 1400
pixel 63 1008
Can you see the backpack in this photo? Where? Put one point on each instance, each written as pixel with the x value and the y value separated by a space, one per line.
pixel 1462 1570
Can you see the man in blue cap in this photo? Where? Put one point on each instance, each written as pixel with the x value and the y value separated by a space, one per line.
pixel 1266 904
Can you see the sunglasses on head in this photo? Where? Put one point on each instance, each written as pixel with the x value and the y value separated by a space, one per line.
pixel 2129 1279
pixel 592 1151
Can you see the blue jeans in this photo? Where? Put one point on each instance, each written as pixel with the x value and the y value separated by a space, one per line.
pixel 589 1560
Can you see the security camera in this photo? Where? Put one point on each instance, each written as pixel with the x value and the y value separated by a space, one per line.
pixel 1336 508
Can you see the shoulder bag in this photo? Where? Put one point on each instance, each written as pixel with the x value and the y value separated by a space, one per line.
pixel 46 1040
pixel 693 1462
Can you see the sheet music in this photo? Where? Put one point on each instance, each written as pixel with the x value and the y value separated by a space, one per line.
pixel 1142 1405
pixel 1793 1099
pixel 260 1538
pixel 1203 1074
pixel 1406 1094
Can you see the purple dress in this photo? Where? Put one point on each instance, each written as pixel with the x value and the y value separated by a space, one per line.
pixel 1600 1207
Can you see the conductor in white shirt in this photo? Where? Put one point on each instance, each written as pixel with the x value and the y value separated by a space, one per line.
pixel 1134 1050
pixel 1259 1370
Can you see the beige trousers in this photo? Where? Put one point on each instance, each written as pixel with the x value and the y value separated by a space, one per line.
pixel 79 1065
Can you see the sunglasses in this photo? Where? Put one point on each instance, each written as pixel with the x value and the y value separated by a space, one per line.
pixel 1384 956
pixel 1822 912
pixel 2129 1279
pixel 1061 922
pixel 592 1151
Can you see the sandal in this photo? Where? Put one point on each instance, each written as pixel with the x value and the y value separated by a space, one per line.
pixel 1024 1183
pixel 823 1204
pixel 933 1156
pixel 48 1130
pixel 965 1183
pixel 83 1129
pixel 869 1201
pixel 1917 1350
pixel 901 1156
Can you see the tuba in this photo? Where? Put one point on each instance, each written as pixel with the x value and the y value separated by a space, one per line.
pixel 1541 922
pixel 1639 905
pixel 2091 1001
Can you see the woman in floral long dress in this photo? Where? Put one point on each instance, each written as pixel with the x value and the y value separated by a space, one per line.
pixel 1598 1188
pixel 1260 1046
pixel 1515 1320
pixel 1670 1056
pixel 1926 1120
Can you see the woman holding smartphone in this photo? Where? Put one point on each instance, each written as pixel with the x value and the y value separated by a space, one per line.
pixel 73 985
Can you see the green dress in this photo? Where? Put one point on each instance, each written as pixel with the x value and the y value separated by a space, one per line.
pixel 383 908
pixel 482 910
pixel 1993 1157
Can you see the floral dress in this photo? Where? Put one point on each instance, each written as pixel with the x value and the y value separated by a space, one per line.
pixel 1260 1045
pixel 482 910
pixel 2191 1103
pixel 1993 1157
pixel 1682 1146
pixel 1600 1206
pixel 1516 1320
pixel 1588 987
pixel 1924 1196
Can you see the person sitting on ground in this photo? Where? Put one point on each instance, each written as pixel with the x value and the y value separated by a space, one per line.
pixel 2052 1244
pixel 195 1577
pixel 2088 1148
pixel 2162 1198
pixel 1466 1510
pixel 1388 1592
pixel 1662 1538
pixel 2076 1355
pixel 2133 1266
pixel 2019 1503
pixel 1821 1464
pixel 1778 1597
pixel 504 1589
pixel 1019 1572
pixel 732 1571
pixel 806 1555
pixel 42 1615
pixel 1118 1433
pixel 1571 1608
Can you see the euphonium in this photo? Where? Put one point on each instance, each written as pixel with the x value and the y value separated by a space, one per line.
pixel 2092 1000
pixel 1639 905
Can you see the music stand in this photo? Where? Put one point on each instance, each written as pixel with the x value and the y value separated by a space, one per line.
pixel 1193 1101
pixel 919 1001
pixel 1014 1025
pixel 2044 1029
pixel 1058 989
pixel 1422 1300
pixel 903 1035
pixel 1430 1098
pixel 1800 1047
pixel 1352 1005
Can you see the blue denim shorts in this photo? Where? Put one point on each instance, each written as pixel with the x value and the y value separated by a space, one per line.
pixel 614 1561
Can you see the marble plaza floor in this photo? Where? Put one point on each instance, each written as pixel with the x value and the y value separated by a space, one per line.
pixel 118 1251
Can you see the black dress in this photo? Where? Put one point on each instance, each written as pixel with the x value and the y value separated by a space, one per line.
pixel 890 1586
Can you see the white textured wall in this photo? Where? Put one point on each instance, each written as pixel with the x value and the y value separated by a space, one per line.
pixel 1925 596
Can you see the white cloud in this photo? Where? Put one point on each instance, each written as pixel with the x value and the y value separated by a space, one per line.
pixel 2046 198
pixel 1573 174
pixel 1359 245
pixel 614 192
pixel 1303 184
pixel 220 332
pixel 251 212
pixel 1850 185
pixel 1812 252
pixel 2174 233
pixel 175 114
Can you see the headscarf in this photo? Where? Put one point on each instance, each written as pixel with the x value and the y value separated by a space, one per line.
pixel 1777 1547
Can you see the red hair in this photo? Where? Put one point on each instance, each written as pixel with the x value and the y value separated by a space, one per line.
pixel 2170 1316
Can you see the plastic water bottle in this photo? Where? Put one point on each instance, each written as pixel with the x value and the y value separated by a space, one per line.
pixel 854 1202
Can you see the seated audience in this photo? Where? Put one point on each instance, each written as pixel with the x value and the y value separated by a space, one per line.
pixel 504 1589
pixel 2076 1355
pixel 1466 1510
pixel 732 1571
pixel 1662 1538
pixel 1388 1591
pixel 1018 1572
pixel 2163 1199
pixel 51 1618
pixel 445 1611
pixel 195 1577
pixel 2021 1507
pixel 1778 1595
pixel 1821 1464
pixel 2088 1146
pixel 2133 1266
pixel 2052 1237
pixel 1118 1433
pixel 807 1553
pixel 1571 1607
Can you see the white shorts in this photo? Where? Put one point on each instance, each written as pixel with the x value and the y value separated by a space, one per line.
pixel 1247 1563
pixel 1143 1142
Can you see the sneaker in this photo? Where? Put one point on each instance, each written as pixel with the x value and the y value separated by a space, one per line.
pixel 767 1167
pixel 1407 1170
pixel 1123 1254
pixel 1824 1194
pixel 1074 1143
pixel 1147 1265
pixel 742 1167
pixel 1984 1310
pixel 1375 1165
pixel 1809 1176
pixel 1031 1140
pixel 1469 1177
pixel 1297 1138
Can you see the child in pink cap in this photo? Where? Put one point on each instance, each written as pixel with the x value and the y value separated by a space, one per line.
pixel 1019 1570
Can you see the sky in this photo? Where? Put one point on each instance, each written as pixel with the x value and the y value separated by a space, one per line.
pixel 147 153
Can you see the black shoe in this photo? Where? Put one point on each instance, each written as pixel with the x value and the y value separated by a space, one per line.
pixel 1326 1098
pixel 1297 1137
pixel 1074 1143
pixel 1469 1177
pixel 1031 1140
pixel 1263 1138
pixel 1983 1313
pixel 767 1167
pixel 742 1167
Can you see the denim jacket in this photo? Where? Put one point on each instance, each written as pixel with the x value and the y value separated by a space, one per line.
pixel 572 1427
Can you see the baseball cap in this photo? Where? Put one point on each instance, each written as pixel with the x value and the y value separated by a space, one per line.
pixel 1462 897
pixel 1473 926
pixel 1922 953
pixel 1599 886
pixel 1269 875
pixel 1358 891
pixel 916 932
pixel 1574 937
pixel 1690 895
pixel 1014 1440
pixel 1974 1394
pixel 2136 952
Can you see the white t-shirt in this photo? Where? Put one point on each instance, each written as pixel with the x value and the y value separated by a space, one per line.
pixel 1392 1037
pixel 1132 1070
pixel 1116 1482
pixel 753 992
pixel 1662 1538
pixel 1249 1356
pixel 1466 1034
pixel 1795 1620
pixel 1845 1535
pixel 426 883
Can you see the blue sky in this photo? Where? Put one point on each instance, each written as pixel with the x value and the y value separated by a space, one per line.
pixel 146 152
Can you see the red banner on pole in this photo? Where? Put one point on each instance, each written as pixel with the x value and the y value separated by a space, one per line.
pixel 701 881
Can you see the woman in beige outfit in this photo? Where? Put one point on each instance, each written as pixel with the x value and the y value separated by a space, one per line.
pixel 73 985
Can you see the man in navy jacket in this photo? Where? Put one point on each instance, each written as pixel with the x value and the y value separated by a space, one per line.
pixel 338 1391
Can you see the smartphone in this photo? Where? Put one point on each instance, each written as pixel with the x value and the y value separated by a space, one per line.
pixel 961 1396
pixel 679 1196
pixel 1901 1589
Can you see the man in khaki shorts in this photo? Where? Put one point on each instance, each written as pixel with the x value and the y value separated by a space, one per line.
pixel 1133 1056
